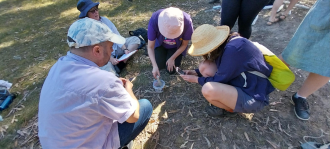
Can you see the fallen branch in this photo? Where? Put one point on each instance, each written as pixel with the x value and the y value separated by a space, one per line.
pixel 13 110
pixel 287 133
pixel 192 145
pixel 271 143
pixel 246 136
pixel 208 142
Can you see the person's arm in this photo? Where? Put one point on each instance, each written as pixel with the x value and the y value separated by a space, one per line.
pixel 151 53
pixel 117 101
pixel 190 78
pixel 125 49
pixel 229 68
pixel 186 37
pixel 171 61
pixel 113 60
pixel 180 50
pixel 152 37
pixel 191 75
pixel 191 72
pixel 135 116
pixel 198 73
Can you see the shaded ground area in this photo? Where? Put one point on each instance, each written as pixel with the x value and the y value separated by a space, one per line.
pixel 178 120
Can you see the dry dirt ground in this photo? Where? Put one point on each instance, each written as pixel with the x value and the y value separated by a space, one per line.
pixel 179 120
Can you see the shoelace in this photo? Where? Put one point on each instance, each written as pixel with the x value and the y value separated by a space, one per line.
pixel 305 105
pixel 214 107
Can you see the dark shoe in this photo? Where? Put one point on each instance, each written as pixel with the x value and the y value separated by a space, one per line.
pixel 214 1
pixel 120 66
pixel 314 145
pixel 301 107
pixel 218 112
pixel 117 69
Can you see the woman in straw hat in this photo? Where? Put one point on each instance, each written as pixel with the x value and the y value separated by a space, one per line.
pixel 169 32
pixel 232 88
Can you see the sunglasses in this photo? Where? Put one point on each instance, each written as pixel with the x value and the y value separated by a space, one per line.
pixel 94 9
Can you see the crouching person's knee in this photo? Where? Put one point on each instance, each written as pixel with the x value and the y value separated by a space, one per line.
pixel 145 108
pixel 208 90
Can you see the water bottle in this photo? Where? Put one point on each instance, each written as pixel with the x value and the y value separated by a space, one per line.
pixel 5 103
pixel 3 94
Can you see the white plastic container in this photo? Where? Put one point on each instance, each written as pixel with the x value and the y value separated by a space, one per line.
pixel 158 87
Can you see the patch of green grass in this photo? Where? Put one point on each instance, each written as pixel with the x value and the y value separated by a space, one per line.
pixel 30 38
pixel 33 37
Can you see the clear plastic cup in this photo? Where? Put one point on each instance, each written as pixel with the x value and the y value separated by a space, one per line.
pixel 158 87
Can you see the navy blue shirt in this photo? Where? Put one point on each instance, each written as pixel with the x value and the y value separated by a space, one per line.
pixel 241 55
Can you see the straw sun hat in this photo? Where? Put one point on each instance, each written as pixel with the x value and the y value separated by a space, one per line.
pixel 207 38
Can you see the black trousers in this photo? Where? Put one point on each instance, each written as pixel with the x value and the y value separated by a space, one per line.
pixel 244 10
pixel 162 55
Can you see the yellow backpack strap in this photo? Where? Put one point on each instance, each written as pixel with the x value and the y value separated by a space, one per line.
pixel 244 76
pixel 257 73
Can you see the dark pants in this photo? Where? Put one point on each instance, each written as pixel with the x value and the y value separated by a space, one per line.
pixel 244 10
pixel 162 55
pixel 128 131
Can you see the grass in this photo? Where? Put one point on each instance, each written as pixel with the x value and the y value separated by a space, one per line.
pixel 33 37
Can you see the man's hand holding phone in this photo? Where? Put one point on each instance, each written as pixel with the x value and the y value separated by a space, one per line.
pixel 127 84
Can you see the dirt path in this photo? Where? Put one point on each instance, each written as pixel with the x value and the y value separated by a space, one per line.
pixel 179 120
pixel 182 123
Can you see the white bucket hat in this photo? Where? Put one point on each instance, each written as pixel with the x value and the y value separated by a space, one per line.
pixel 171 22
pixel 88 32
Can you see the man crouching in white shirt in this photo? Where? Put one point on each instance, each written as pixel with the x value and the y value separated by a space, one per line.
pixel 82 106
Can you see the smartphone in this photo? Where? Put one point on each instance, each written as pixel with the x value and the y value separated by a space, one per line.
pixel 124 82
pixel 180 71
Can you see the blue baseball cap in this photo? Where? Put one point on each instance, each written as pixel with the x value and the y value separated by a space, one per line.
pixel 88 32
pixel 84 6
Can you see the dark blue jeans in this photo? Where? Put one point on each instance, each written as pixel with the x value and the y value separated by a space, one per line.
pixel 128 131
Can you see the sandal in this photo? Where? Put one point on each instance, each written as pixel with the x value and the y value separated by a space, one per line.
pixel 281 16
pixel 269 23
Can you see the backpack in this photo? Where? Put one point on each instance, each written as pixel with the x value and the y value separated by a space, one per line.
pixel 142 34
pixel 281 76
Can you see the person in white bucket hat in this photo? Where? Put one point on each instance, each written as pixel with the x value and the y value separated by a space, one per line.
pixel 82 106
pixel 169 32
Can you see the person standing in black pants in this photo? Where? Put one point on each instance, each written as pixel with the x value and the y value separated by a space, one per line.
pixel 243 10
